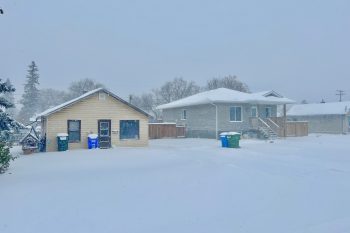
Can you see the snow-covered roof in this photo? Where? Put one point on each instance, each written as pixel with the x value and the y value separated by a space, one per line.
pixel 224 95
pixel 31 133
pixel 269 93
pixel 334 108
pixel 87 94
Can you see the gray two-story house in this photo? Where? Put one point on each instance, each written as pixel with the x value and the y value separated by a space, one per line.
pixel 209 113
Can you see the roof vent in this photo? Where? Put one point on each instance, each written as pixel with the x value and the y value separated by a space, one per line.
pixel 102 96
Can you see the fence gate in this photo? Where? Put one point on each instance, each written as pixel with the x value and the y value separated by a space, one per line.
pixel 165 130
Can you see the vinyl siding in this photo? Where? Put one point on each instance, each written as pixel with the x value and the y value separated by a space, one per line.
pixel 89 111
pixel 201 120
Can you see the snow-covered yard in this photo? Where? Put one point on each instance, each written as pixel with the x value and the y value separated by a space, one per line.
pixel 183 185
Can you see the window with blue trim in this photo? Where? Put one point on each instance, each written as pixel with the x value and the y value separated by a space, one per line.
pixel 129 129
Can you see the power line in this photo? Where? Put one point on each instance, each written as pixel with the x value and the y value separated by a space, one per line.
pixel 340 94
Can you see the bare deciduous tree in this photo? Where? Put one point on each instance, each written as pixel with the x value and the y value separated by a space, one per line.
pixel 50 97
pixel 80 87
pixel 230 82
pixel 146 102
pixel 175 90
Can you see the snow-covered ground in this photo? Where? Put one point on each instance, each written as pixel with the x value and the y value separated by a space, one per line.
pixel 299 185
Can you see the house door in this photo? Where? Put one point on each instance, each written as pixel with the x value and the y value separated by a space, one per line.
pixel 104 133
pixel 267 112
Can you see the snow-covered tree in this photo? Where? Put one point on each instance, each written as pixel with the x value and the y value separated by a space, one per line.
pixel 7 126
pixel 230 82
pixel 51 97
pixel 10 98
pixel 147 103
pixel 30 97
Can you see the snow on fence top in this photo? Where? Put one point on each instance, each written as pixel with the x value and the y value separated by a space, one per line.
pixel 334 108
pixel 224 95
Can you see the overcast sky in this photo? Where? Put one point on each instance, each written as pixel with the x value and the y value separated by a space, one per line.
pixel 299 48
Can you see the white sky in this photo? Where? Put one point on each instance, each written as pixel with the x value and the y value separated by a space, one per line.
pixel 298 48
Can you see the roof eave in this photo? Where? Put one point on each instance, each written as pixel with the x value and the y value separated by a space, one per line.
pixel 97 90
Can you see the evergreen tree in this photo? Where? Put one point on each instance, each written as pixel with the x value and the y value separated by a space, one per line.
pixel 10 98
pixel 7 126
pixel 30 97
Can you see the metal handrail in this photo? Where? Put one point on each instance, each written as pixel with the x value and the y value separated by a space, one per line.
pixel 273 123
pixel 262 121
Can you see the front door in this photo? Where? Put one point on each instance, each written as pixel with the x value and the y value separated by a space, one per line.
pixel 104 133
pixel 267 112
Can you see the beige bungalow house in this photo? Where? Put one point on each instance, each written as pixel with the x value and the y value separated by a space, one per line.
pixel 114 120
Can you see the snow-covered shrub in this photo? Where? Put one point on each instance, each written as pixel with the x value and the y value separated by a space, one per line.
pixel 5 157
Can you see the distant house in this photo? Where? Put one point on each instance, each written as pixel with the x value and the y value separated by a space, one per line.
pixel 208 113
pixel 101 112
pixel 323 117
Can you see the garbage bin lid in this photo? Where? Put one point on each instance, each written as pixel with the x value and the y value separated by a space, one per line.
pixel 62 135
pixel 233 133
pixel 224 134
pixel 93 136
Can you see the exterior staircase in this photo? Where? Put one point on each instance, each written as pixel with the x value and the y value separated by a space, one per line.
pixel 266 130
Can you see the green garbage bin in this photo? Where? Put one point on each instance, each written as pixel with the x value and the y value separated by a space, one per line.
pixel 62 142
pixel 233 139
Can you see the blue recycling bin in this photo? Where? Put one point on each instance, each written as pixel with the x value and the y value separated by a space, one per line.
pixel 224 140
pixel 92 141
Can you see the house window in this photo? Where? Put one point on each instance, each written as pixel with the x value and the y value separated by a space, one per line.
pixel 236 113
pixel 129 129
pixel 268 112
pixel 254 111
pixel 74 130
pixel 184 114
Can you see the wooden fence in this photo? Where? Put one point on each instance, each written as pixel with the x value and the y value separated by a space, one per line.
pixel 293 128
pixel 297 128
pixel 165 130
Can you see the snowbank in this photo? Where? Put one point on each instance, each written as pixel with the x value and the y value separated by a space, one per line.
pixel 297 185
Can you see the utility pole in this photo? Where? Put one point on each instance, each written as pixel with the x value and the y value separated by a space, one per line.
pixel 340 93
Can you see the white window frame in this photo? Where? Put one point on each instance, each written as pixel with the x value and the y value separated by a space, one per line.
pixel 256 111
pixel 241 113
pixel 184 114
